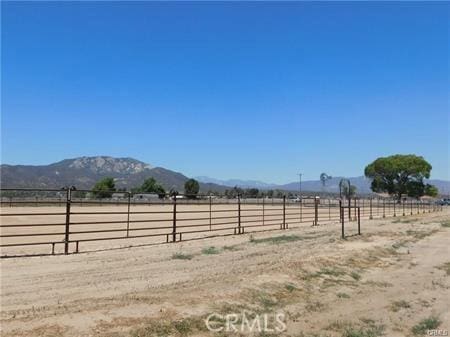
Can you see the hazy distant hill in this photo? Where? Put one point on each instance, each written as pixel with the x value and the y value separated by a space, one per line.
pixel 84 172
pixel 236 182
pixel 332 186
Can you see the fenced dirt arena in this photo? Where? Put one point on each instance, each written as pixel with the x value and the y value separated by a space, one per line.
pixel 32 226
pixel 386 282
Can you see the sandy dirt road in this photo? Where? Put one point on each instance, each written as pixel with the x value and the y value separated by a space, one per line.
pixel 384 282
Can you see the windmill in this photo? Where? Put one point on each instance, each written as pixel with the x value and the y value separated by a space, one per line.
pixel 324 178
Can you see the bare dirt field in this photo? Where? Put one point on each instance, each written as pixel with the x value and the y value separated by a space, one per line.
pixel 393 280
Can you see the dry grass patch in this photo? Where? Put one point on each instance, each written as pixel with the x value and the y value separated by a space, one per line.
pixel 182 256
pixel 276 239
pixel 426 324
pixel 445 267
pixel 398 305
pixel 445 224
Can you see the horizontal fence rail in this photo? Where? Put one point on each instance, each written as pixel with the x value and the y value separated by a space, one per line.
pixel 35 222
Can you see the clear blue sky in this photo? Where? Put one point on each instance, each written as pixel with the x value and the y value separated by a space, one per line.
pixel 228 90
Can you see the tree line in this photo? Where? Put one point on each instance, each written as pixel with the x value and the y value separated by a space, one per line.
pixel 398 175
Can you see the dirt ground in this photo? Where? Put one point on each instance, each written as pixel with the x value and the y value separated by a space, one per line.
pixel 393 280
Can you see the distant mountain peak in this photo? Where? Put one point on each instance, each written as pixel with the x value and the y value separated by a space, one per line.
pixel 106 164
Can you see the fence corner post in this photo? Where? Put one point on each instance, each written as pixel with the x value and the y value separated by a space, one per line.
pixel 359 221
pixel 67 228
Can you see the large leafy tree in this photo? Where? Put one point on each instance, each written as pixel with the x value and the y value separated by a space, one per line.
pixel 150 185
pixel 104 188
pixel 191 188
pixel 400 175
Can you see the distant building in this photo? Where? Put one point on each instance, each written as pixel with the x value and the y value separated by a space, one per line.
pixel 118 196
pixel 145 196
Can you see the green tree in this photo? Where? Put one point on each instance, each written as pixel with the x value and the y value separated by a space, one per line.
pixel 431 190
pixel 400 175
pixel 251 193
pixel 150 185
pixel 104 188
pixel 191 188
pixel 348 193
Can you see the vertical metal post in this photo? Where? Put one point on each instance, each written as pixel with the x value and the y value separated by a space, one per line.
pixel 210 213
pixel 359 222
pixel 284 212
pixel 174 222
pixel 354 204
pixel 418 207
pixel 349 210
pixel 384 208
pixel 370 216
pixel 67 229
pixel 394 209
pixel 342 222
pixel 329 209
pixel 316 211
pixel 128 214
pixel 411 207
pixel 239 214
pixel 404 207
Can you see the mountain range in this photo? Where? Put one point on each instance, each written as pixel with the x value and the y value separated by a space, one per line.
pixel 84 172
pixel 331 186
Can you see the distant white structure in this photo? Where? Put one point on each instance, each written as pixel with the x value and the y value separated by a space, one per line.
pixel 118 196
pixel 146 196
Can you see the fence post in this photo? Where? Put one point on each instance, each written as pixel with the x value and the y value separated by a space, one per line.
pixel 404 207
pixel 128 214
pixel 384 208
pixel 359 221
pixel 394 209
pixel 239 214
pixel 342 222
pixel 210 213
pixel 340 209
pixel 349 209
pixel 329 209
pixel 354 204
pixel 174 223
pixel 67 229
pixel 411 203
pixel 284 212
pixel 316 211
pixel 370 216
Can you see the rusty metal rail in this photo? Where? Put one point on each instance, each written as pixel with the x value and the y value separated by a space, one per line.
pixel 56 218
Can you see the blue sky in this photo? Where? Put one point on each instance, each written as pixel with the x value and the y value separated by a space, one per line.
pixel 228 90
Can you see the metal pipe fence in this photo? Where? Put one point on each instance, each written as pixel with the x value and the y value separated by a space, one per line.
pixel 59 221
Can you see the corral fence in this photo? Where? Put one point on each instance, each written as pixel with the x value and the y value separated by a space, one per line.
pixel 55 221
